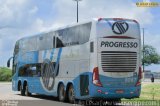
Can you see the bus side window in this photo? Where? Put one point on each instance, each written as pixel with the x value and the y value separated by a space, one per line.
pixel 45 42
pixel 23 71
pixel 14 69
pixel 53 41
pixel 59 43
pixel 38 71
pixel 16 49
pixel 91 47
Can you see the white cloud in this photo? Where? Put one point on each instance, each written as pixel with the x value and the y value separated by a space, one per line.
pixel 16 20
pixel 33 10
pixel 38 25
pixel 109 9
pixel 101 8
pixel 10 10
pixel 153 40
pixel 26 17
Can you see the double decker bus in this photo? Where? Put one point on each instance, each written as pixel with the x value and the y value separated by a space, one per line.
pixel 97 59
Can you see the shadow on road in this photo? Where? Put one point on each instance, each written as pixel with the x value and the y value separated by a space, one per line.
pixel 42 100
pixel 77 103
pixel 44 97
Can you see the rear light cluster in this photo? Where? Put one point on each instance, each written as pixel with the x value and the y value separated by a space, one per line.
pixel 139 77
pixel 100 91
pixel 96 80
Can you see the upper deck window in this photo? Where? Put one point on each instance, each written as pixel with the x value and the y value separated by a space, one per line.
pixel 45 41
pixel 16 49
pixel 74 35
pixel 28 44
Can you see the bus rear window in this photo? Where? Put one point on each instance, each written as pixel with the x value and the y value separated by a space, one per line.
pixel 129 28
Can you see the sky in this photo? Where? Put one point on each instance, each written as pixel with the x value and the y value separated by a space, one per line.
pixel 20 18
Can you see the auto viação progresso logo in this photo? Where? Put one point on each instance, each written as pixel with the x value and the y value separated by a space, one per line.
pixel 120 27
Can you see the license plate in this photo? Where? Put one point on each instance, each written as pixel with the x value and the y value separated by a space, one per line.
pixel 119 91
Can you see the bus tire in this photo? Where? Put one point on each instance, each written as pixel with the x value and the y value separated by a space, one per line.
pixel 61 93
pixel 71 94
pixel 22 91
pixel 27 93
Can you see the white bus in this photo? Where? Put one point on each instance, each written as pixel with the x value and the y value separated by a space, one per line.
pixel 98 59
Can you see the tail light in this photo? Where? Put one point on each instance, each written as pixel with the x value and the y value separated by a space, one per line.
pixel 96 80
pixel 139 77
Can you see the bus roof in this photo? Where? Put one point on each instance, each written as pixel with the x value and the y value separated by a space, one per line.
pixel 75 24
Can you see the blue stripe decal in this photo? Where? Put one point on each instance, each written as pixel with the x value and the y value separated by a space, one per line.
pixel 51 55
pixel 58 58
pixel 44 55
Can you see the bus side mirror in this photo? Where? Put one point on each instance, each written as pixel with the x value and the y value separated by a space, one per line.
pixel 8 62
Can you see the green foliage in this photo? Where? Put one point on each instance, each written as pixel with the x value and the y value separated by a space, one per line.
pixel 150 95
pixel 5 74
pixel 150 91
pixel 150 55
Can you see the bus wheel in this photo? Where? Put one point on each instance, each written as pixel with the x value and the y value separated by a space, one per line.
pixel 71 95
pixel 61 93
pixel 22 91
pixel 27 93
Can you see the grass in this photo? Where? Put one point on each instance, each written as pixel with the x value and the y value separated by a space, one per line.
pixel 149 91
pixel 5 74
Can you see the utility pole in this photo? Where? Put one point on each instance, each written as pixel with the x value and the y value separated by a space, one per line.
pixel 77 8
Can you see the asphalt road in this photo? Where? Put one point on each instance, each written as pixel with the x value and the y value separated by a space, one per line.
pixel 12 98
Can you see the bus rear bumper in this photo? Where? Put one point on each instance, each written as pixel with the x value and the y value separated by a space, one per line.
pixel 115 93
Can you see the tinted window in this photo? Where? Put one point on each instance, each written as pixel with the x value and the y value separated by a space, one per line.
pixel 59 43
pixel 74 35
pixel 65 37
pixel 29 44
pixel 84 33
pixel 30 70
pixel 45 41
pixel 16 49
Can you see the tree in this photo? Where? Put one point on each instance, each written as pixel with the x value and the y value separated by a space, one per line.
pixel 150 55
pixel 5 74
